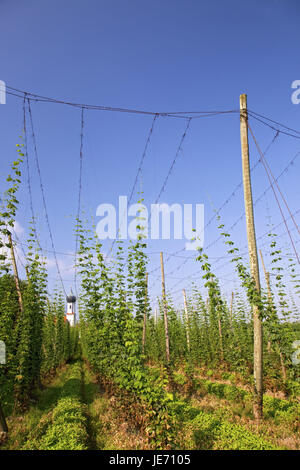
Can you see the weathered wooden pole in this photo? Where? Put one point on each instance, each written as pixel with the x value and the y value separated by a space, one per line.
pixel 231 309
pixel 15 269
pixel 221 337
pixel 145 314
pixel 187 320
pixel 257 323
pixel 165 307
pixel 3 424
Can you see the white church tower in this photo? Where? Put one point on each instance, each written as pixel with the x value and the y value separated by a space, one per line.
pixel 71 299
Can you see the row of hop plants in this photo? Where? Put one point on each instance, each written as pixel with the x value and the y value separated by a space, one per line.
pixel 217 335
pixel 32 326
pixel 223 339
pixel 210 335
pixel 114 304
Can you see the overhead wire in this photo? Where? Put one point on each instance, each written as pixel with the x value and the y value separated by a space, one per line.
pixel 182 114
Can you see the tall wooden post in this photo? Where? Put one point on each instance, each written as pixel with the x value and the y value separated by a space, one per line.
pixel 231 309
pixel 257 324
pixel 155 316
pixel 145 314
pixel 221 337
pixel 165 307
pixel 3 425
pixel 186 319
pixel 15 269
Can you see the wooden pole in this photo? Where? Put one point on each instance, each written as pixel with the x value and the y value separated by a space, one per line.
pixel 231 309
pixel 257 323
pixel 15 269
pixel 145 314
pixel 165 307
pixel 155 316
pixel 221 337
pixel 3 424
pixel 187 320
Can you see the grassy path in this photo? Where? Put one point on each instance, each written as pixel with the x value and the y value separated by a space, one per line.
pixel 106 430
pixel 28 431
pixel 71 413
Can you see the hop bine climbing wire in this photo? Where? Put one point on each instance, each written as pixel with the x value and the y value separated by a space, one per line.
pixel 223 205
pixel 43 197
pixel 79 197
pixel 28 172
pixel 138 173
pixel 270 177
pixel 179 149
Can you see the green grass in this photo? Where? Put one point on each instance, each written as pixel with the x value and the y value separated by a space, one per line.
pixel 57 420
pixel 210 431
pixel 280 409
pixel 66 429
pixel 66 426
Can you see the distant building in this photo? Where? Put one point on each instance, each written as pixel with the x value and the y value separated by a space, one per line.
pixel 70 315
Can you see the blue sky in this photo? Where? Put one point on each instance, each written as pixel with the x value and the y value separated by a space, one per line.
pixel 158 56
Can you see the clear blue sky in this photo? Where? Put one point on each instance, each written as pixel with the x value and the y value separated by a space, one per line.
pixel 166 55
